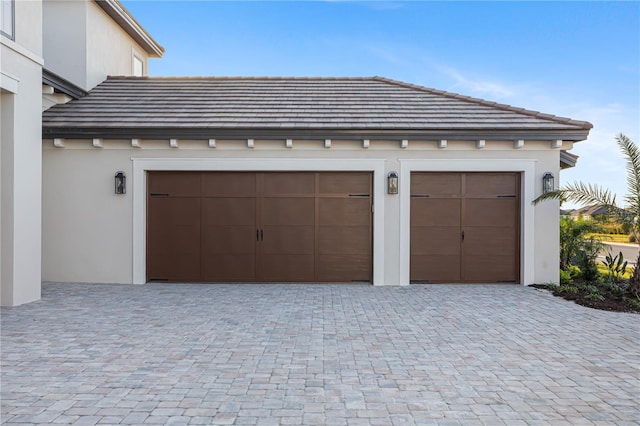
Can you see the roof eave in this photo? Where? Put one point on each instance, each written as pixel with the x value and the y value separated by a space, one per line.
pixel 62 85
pixel 118 13
pixel 567 160
pixel 311 133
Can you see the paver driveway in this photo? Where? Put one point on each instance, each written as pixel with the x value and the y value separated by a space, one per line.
pixel 316 354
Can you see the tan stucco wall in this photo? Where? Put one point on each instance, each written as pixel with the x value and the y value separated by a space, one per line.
pixel 20 158
pixel 84 45
pixel 88 230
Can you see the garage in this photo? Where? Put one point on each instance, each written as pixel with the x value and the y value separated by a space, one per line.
pixel 259 226
pixel 218 179
pixel 465 227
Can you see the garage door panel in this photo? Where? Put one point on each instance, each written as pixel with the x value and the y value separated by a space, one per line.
pixel 344 240
pixel 175 253
pixel 288 184
pixel 228 184
pixel 228 267
pixel 435 212
pixel 495 240
pixel 175 268
pixel 287 268
pixel 345 183
pixel 218 240
pixel 344 268
pixel 433 240
pixel 436 184
pixel 344 211
pixel 491 183
pixel 175 184
pixel 287 240
pixel 173 244
pixel 173 211
pixel 489 268
pixel 288 211
pixel 228 211
pixel 496 212
pixel 435 268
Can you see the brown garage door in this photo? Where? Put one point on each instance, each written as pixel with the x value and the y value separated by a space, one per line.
pixel 465 227
pixel 259 227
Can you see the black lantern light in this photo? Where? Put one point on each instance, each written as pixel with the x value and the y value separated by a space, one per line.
pixel 547 183
pixel 121 183
pixel 392 183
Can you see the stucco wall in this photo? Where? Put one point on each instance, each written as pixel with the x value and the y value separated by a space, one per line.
pixel 109 48
pixel 84 45
pixel 65 39
pixel 20 157
pixel 88 230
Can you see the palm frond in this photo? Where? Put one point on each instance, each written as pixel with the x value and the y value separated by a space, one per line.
pixel 581 193
pixel 632 154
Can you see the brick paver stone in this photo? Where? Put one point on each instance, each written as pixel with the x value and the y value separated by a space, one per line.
pixel 269 354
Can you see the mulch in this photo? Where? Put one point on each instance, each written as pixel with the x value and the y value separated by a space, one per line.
pixel 612 301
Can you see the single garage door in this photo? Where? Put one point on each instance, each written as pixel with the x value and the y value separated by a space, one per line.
pixel 465 227
pixel 259 227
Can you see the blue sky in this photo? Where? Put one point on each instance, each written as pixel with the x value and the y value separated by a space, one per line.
pixel 573 59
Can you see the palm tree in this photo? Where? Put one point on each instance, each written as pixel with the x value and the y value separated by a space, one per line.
pixel 587 193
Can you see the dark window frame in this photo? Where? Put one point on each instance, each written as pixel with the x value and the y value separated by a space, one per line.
pixel 11 35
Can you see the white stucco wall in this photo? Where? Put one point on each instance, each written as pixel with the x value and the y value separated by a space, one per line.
pixel 90 234
pixel 110 49
pixel 84 45
pixel 65 39
pixel 21 157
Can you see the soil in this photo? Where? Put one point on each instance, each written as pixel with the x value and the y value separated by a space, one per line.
pixel 612 301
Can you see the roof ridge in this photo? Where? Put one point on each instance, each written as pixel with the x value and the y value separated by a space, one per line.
pixel 537 114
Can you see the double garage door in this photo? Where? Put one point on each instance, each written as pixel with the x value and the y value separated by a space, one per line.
pixel 259 227
pixel 317 227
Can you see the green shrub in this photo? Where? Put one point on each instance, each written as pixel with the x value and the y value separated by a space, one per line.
pixel 588 267
pixel 566 289
pixel 616 267
pixel 633 301
pixel 614 287
pixel 595 297
pixel 590 288
pixel 565 277
pixel 613 228
pixel 574 271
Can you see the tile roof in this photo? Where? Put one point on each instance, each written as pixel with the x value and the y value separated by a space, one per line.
pixel 366 104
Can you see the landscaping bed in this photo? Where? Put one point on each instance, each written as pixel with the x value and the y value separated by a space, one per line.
pixel 596 295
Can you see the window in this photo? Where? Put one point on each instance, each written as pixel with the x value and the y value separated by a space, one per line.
pixel 7 18
pixel 138 66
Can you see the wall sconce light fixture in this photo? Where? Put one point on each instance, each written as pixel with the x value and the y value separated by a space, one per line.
pixel 121 183
pixel 548 183
pixel 392 183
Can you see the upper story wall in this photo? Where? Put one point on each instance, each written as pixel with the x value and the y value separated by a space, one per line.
pixel 110 50
pixel 84 44
pixel 65 53
pixel 23 23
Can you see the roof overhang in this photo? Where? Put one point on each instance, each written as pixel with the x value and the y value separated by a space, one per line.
pixel 118 13
pixel 62 85
pixel 50 132
pixel 567 160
